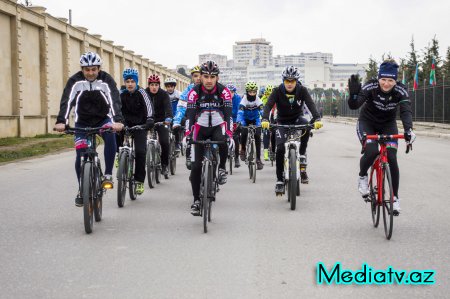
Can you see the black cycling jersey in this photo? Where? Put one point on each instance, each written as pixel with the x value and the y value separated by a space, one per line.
pixel 161 105
pixel 136 107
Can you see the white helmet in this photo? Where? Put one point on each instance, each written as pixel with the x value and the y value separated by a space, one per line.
pixel 90 59
pixel 170 80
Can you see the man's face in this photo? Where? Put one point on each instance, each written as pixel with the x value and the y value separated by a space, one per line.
pixel 130 84
pixel 170 88
pixel 290 85
pixel 386 84
pixel 90 72
pixel 196 78
pixel 232 93
pixel 209 81
pixel 154 87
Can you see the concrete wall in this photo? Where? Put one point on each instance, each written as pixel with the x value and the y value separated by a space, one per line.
pixel 38 53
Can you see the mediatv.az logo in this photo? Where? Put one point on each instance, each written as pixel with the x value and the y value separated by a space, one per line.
pixel 368 275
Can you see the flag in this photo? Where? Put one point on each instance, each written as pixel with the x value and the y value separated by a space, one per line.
pixel 433 74
pixel 333 96
pixel 404 78
pixel 416 78
pixel 323 98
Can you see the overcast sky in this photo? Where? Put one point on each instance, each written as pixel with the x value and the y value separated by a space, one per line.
pixel 174 32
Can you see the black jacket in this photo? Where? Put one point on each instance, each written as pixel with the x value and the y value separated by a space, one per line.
pixel 289 111
pixel 137 108
pixel 161 105
pixel 380 107
pixel 94 101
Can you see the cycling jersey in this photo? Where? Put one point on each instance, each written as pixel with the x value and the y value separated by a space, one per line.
pixel 161 105
pixel 136 107
pixel 174 98
pixel 236 102
pixel 94 101
pixel 182 105
pixel 250 111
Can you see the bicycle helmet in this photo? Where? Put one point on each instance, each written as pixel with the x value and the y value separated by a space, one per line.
pixel 210 67
pixel 90 59
pixel 153 79
pixel 269 89
pixel 170 81
pixel 231 87
pixel 130 73
pixel 290 73
pixel 195 69
pixel 251 86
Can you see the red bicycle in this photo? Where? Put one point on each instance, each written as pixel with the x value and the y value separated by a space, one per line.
pixel 380 183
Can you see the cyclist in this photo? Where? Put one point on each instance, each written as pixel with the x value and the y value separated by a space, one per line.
pixel 236 99
pixel 180 119
pixel 209 115
pixel 170 84
pixel 162 113
pixel 380 99
pixel 95 97
pixel 250 113
pixel 136 110
pixel 289 97
pixel 267 136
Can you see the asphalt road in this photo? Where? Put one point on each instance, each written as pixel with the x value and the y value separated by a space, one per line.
pixel 256 247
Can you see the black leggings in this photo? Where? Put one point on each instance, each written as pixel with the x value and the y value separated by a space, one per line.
pixel 244 135
pixel 163 135
pixel 236 138
pixel 215 134
pixel 372 151
pixel 140 149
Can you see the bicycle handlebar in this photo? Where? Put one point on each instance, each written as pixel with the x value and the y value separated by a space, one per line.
pixel 95 130
pixel 298 127
pixel 206 142
pixel 384 138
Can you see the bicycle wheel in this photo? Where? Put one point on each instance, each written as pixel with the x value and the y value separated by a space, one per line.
pixel 98 199
pixel 150 163
pixel 211 193
pixel 254 162
pixel 122 178
pixel 292 183
pixel 388 202
pixel 230 161
pixel 373 197
pixel 158 165
pixel 173 161
pixel 87 192
pixel 204 198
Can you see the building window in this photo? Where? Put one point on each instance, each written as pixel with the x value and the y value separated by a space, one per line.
pixel 342 84
pixel 333 85
pixel 315 85
pixel 324 85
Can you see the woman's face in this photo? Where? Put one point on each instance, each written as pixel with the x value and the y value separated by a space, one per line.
pixel 130 84
pixel 387 84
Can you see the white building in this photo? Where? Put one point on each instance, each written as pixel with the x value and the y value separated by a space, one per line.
pixel 221 60
pixel 234 75
pixel 256 52
pixel 299 60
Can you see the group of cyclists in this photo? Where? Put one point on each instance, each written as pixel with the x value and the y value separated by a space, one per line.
pixel 207 109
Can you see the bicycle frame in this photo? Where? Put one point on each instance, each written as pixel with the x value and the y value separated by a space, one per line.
pixel 250 139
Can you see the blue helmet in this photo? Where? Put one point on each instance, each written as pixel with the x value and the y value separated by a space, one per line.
pixel 231 87
pixel 130 73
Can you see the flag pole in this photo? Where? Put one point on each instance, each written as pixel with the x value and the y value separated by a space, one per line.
pixel 433 101
pixel 443 98
pixel 424 85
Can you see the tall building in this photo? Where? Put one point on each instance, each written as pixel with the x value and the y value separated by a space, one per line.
pixel 299 60
pixel 221 60
pixel 256 52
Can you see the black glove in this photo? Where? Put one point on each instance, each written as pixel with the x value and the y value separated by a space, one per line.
pixel 410 136
pixel 354 86
pixel 149 123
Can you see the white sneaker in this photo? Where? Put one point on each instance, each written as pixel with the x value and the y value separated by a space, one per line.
pixel 396 206
pixel 363 185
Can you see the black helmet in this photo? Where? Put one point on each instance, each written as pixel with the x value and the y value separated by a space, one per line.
pixel 290 73
pixel 210 67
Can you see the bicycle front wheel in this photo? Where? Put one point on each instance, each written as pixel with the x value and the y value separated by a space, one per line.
pixel 254 162
pixel 292 183
pixel 88 197
pixel 150 163
pixel 373 197
pixel 204 192
pixel 98 200
pixel 122 178
pixel 230 162
pixel 388 202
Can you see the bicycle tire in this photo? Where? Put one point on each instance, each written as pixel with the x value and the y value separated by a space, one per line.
pixel 150 162
pixel 292 183
pixel 87 192
pixel 253 150
pixel 157 165
pixel 204 198
pixel 211 193
pixel 98 201
pixel 230 163
pixel 122 179
pixel 388 203
pixel 373 195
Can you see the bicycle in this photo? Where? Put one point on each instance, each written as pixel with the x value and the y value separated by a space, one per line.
pixel 250 151
pixel 172 154
pixel 209 185
pixel 91 188
pixel 292 160
pixel 125 172
pixel 380 180
pixel 153 158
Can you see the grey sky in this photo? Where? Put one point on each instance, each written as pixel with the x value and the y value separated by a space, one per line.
pixel 175 32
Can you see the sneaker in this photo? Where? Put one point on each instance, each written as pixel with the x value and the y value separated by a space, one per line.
pixel 139 188
pixel 259 164
pixel 116 162
pixel 242 154
pixel 304 177
pixel 107 182
pixel 279 187
pixel 237 164
pixel 165 171
pixel 222 179
pixel 396 206
pixel 177 150
pixel 363 185
pixel 188 163
pixel 78 200
pixel 266 154
pixel 195 208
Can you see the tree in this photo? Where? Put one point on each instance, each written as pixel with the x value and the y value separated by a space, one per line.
pixel 183 72
pixel 430 52
pixel 446 66
pixel 372 69
pixel 411 63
